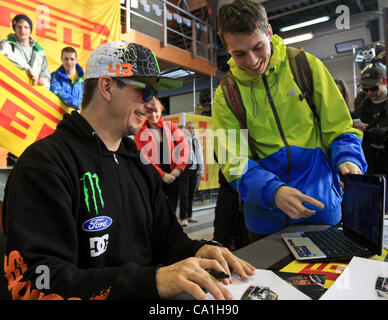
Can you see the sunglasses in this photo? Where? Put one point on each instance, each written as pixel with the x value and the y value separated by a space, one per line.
pixel 371 89
pixel 148 91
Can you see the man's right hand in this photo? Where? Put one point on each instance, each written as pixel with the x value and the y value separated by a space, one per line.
pixel 289 200
pixel 190 276
pixel 33 77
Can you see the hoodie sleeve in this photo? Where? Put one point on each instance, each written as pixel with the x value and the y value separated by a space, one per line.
pixel 170 242
pixel 41 259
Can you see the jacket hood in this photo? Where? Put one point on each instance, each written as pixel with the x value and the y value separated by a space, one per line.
pixel 78 126
pixel 278 56
pixel 13 39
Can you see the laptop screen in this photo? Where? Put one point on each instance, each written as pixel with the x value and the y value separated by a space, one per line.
pixel 363 207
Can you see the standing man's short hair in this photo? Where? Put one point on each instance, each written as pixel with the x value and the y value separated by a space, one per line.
pixel 242 16
pixel 68 50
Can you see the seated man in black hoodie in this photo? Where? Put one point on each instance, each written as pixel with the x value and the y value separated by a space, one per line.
pixel 84 218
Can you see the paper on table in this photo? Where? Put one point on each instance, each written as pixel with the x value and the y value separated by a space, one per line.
pixel 265 278
pixel 358 280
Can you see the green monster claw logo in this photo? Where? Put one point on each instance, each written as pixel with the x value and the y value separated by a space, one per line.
pixel 92 180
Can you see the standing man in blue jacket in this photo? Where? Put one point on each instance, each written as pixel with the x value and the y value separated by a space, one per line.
pixel 67 82
pixel 301 155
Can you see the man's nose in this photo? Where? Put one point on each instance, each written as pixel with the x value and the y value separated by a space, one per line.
pixel 251 59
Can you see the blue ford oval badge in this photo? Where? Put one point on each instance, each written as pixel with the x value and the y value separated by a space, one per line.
pixel 97 224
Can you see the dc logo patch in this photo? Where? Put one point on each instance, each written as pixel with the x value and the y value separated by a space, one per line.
pixel 98 245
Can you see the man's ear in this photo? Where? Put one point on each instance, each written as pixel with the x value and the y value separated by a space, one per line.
pixel 105 85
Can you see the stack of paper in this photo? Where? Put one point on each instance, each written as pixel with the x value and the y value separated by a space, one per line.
pixel 360 281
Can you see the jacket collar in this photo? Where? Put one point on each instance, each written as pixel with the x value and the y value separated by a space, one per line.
pixel 80 71
pixel 278 56
pixel 13 39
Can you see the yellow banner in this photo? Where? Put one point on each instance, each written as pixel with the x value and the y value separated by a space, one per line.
pixel 27 113
pixel 202 124
pixel 81 24
pixel 210 174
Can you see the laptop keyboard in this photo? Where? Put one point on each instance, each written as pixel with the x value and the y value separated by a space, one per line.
pixel 333 243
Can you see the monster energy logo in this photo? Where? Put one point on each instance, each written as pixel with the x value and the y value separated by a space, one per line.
pixel 92 180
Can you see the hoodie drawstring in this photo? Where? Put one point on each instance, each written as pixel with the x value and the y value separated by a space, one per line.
pixel 254 101
pixel 94 134
pixel 253 96
pixel 276 83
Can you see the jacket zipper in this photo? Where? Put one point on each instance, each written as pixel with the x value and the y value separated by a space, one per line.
pixel 282 135
pixel 115 159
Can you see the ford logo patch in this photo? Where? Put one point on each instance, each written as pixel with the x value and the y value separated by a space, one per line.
pixel 97 224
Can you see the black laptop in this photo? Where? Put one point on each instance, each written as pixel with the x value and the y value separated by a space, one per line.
pixel 361 231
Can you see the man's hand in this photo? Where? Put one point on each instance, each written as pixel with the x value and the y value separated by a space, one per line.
pixel 289 200
pixel 226 258
pixel 348 167
pixel 190 276
pixel 40 81
pixel 33 77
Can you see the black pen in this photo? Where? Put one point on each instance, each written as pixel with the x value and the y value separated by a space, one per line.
pixel 219 275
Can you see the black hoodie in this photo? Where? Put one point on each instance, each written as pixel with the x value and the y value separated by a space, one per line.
pixel 96 220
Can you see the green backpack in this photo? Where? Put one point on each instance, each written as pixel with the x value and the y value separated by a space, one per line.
pixel 302 76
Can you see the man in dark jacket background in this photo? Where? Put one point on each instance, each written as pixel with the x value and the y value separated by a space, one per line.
pixel 84 218
pixel 373 113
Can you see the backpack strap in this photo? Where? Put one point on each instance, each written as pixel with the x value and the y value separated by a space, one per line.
pixel 303 77
pixel 233 98
pixel 234 101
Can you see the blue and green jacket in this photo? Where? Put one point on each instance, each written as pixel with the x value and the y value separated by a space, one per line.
pixel 293 149
pixel 70 94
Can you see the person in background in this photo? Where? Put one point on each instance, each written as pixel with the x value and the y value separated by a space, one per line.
pixel 373 113
pixel 344 89
pixel 298 154
pixel 164 145
pixel 191 176
pixel 81 206
pixel 67 82
pixel 25 52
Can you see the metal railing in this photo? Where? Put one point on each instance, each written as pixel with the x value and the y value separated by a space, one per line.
pixel 170 24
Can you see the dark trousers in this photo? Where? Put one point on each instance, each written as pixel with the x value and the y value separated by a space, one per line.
pixel 229 223
pixel 188 182
pixel 171 191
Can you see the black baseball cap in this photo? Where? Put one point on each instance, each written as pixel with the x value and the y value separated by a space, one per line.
pixel 373 74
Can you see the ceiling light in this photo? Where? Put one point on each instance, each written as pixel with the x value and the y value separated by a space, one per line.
pixel 305 24
pixel 177 73
pixel 300 38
